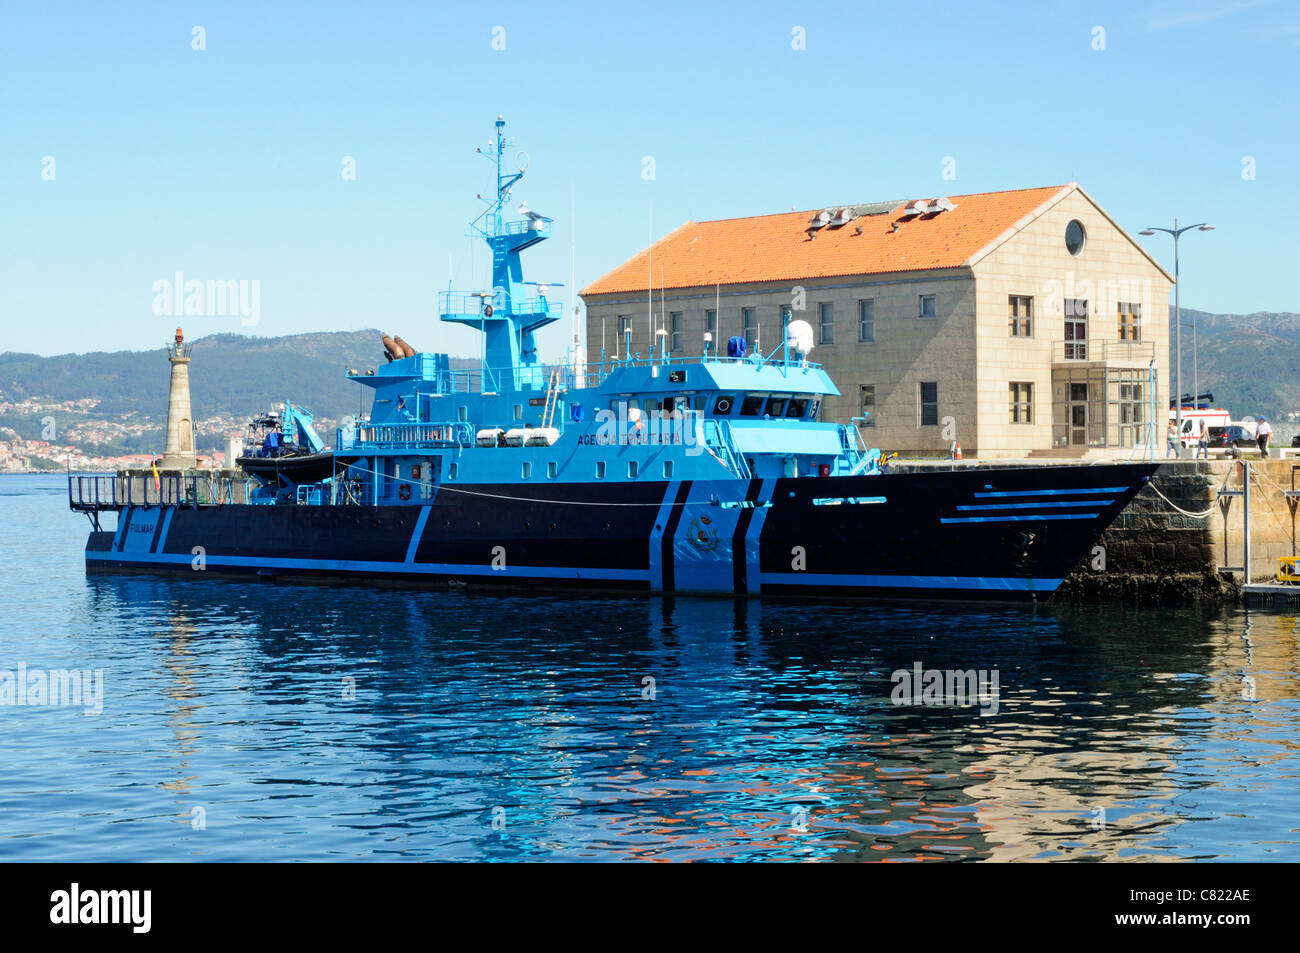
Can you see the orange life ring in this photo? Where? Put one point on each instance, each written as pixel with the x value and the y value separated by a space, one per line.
pixel 404 492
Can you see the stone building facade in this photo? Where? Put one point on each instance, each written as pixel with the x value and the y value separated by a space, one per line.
pixel 1015 323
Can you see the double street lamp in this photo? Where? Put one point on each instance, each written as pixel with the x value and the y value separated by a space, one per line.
pixel 1178 322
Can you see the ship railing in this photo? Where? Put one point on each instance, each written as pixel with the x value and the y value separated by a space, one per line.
pixel 719 442
pixel 99 492
pixel 455 433
pixel 461 304
pixel 855 450
pixel 526 226
pixel 581 376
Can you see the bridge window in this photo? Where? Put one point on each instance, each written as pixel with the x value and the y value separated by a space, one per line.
pixel 797 407
pixel 723 404
pixel 776 406
pixel 600 469
pixel 752 405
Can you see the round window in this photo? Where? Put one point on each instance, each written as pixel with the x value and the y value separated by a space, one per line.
pixel 1075 237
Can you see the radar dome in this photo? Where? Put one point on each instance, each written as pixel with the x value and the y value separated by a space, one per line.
pixel 799 337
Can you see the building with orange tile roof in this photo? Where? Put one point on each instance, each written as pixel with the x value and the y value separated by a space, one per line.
pixel 1013 322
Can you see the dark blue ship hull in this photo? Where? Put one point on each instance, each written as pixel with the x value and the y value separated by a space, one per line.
pixel 976 533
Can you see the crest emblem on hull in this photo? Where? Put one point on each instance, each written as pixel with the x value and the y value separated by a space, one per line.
pixel 703 536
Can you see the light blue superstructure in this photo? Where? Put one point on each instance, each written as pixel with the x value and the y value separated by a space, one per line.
pixel 666 416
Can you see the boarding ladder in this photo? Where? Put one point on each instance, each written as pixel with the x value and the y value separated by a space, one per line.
pixel 552 398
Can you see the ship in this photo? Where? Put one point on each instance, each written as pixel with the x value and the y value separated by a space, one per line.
pixel 709 473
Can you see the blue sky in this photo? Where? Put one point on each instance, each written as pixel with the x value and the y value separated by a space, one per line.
pixel 225 163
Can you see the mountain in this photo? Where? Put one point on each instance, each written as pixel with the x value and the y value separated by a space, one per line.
pixel 1250 362
pixel 230 374
pixel 232 377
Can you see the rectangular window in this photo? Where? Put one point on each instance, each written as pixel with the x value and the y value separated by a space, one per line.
pixel 868 404
pixel 826 323
pixel 1130 321
pixel 929 394
pixel 519 411
pixel 798 407
pixel 631 469
pixel 866 321
pixel 711 322
pixel 677 332
pixel 600 469
pixel 668 469
pixel 928 309
pixel 1021 308
pixel 526 471
pixel 752 405
pixel 552 468
pixel 462 412
pixel 453 471
pixel 749 326
pixel 787 315
pixel 1022 402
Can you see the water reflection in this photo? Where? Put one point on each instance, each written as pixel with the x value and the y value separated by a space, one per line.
pixel 353 721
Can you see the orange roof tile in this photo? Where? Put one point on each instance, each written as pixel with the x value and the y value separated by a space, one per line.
pixel 779 248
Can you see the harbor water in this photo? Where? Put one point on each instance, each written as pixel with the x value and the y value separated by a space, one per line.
pixel 268 721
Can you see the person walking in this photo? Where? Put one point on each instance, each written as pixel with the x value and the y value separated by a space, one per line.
pixel 1171 441
pixel 1203 441
pixel 1263 430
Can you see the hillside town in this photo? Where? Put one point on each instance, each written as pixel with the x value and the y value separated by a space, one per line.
pixel 41 435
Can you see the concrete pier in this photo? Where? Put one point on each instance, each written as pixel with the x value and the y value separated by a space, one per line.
pixel 1157 552
pixel 1181 540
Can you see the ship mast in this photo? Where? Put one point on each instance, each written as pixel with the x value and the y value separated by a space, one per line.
pixel 507 315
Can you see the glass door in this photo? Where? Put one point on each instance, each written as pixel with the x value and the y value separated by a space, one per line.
pixel 1076 334
pixel 1078 414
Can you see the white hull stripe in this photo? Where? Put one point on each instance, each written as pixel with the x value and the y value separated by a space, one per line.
pixel 377 566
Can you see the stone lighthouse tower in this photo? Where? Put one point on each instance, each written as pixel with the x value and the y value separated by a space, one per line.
pixel 179 451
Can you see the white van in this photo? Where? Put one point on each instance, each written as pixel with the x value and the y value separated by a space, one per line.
pixel 1213 417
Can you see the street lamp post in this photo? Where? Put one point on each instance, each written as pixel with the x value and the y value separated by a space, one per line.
pixel 1178 323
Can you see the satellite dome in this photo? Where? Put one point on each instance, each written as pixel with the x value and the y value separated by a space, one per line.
pixel 799 337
